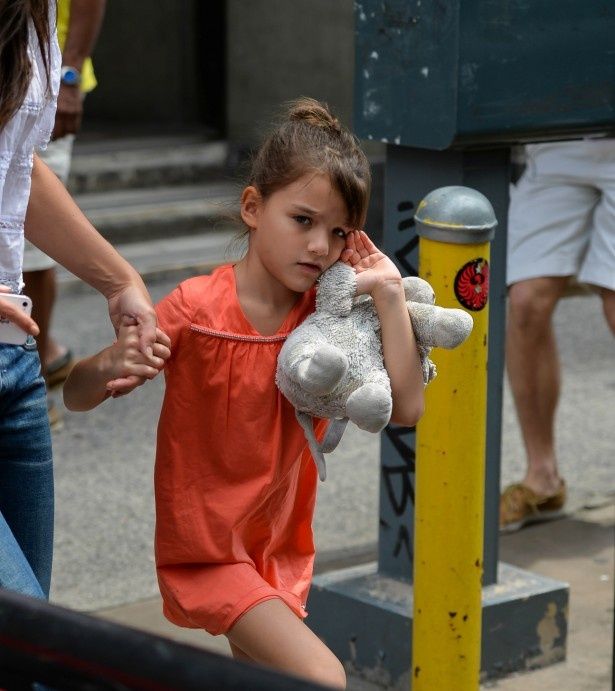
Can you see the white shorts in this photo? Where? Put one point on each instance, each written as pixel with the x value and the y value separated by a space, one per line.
pixel 561 220
pixel 57 156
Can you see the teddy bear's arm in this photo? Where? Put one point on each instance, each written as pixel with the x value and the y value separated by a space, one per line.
pixel 418 290
pixel 439 327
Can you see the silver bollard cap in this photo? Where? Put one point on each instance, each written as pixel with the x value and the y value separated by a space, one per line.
pixel 456 214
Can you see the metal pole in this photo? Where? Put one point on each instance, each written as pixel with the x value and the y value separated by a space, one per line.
pixel 455 225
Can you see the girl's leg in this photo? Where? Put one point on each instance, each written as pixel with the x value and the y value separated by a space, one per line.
pixel 271 634
pixel 26 473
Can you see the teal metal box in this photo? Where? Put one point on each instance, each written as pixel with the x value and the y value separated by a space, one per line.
pixel 441 73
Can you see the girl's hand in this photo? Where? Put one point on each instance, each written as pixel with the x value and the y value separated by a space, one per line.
pixel 15 315
pixel 376 273
pixel 125 364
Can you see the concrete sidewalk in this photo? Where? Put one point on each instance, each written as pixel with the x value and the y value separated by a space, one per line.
pixel 577 549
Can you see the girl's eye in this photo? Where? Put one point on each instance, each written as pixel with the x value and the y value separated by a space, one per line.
pixel 303 220
pixel 340 232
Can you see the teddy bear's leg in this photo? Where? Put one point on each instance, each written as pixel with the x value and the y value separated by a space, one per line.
pixel 320 373
pixel 370 407
pixel 333 435
pixel 307 423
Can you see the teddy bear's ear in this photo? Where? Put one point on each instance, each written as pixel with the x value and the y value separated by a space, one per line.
pixel 336 290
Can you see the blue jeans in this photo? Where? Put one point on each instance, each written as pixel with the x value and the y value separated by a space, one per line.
pixel 26 473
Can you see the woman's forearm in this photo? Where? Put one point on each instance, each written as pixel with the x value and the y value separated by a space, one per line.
pixel 56 225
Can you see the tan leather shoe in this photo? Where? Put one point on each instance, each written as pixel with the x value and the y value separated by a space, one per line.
pixel 519 506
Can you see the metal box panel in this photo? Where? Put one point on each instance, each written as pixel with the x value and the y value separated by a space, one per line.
pixel 438 74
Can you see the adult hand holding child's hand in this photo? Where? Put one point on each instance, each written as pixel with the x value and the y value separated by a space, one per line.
pixel 132 300
pixel 127 366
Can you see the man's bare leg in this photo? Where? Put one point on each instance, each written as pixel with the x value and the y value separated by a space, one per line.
pixel 272 635
pixel 534 375
pixel 608 306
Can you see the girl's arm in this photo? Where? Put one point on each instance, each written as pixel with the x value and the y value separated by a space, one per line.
pixel 378 276
pixel 55 224
pixel 93 379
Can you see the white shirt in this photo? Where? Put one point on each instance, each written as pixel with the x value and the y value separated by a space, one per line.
pixel 29 127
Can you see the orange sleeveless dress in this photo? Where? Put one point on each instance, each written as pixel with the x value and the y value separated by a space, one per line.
pixel 235 483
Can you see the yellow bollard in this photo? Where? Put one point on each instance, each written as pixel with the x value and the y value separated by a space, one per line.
pixel 455 225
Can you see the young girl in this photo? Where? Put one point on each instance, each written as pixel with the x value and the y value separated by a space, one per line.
pixel 235 484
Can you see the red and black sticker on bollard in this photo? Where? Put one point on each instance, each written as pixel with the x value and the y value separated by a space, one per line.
pixel 472 284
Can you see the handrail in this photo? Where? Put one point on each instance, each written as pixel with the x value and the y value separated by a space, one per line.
pixel 52 645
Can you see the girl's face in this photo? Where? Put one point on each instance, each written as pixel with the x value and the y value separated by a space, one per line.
pixel 298 232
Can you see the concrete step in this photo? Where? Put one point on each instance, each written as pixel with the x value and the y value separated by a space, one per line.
pixel 111 164
pixel 133 215
pixel 174 258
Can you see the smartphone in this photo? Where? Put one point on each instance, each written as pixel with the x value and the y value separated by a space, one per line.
pixel 9 332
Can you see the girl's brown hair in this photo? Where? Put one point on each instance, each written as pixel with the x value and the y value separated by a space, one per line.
pixel 310 139
pixel 15 68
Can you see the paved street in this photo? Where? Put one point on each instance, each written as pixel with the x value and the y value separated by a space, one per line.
pixel 104 461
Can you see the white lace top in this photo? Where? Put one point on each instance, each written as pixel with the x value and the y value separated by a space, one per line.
pixel 30 127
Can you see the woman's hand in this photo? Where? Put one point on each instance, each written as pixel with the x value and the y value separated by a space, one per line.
pixel 376 273
pixel 133 301
pixel 15 315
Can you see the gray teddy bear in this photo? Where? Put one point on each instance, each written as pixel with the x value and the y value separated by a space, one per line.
pixel 331 365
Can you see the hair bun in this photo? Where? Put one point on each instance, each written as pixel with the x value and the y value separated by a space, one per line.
pixel 313 113
pixel 308 139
